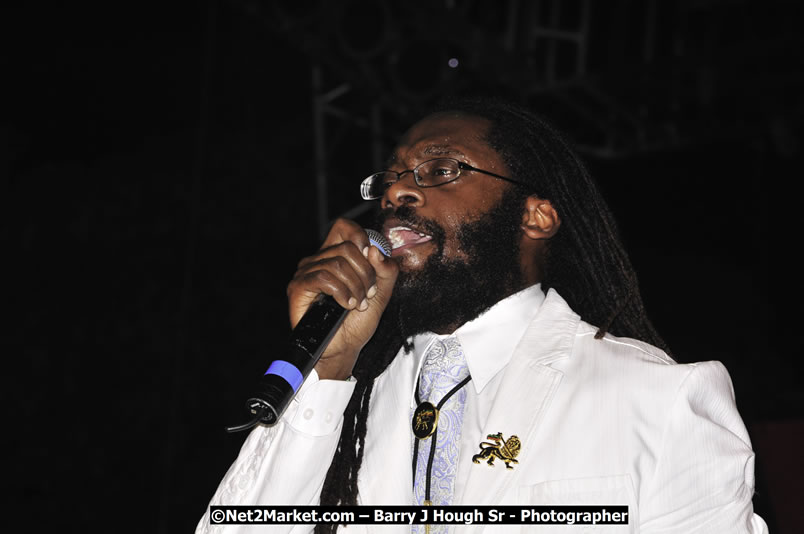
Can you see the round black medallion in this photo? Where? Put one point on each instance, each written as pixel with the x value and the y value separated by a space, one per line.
pixel 425 420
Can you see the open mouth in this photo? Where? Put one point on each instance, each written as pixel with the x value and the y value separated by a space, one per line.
pixel 403 237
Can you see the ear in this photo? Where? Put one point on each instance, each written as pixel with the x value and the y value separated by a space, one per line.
pixel 540 219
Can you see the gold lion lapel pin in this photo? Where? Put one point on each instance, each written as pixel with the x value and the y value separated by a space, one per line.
pixel 505 449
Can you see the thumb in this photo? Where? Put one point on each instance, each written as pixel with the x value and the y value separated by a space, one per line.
pixel 387 271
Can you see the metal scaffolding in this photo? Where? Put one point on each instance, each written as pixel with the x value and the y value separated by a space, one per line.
pixel 622 78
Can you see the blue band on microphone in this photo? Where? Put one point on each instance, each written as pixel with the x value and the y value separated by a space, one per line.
pixel 287 371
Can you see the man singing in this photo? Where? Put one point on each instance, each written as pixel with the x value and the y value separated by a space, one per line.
pixel 501 355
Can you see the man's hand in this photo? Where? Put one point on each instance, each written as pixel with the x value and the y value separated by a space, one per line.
pixel 359 277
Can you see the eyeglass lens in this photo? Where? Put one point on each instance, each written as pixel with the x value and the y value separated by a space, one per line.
pixel 428 174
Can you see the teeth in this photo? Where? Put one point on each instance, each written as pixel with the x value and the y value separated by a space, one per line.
pixel 395 238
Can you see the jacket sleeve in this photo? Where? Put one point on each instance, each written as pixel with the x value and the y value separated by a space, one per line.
pixel 285 464
pixel 704 478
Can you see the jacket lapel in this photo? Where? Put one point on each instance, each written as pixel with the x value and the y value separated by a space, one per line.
pixel 524 395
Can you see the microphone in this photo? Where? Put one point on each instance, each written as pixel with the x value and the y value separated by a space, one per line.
pixel 307 343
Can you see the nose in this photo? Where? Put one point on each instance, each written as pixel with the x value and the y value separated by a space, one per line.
pixel 403 192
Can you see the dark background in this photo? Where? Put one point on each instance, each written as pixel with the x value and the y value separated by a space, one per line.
pixel 164 167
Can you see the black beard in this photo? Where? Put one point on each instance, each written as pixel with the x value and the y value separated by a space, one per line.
pixel 447 293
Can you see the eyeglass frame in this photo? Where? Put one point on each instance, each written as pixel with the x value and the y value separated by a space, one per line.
pixel 415 170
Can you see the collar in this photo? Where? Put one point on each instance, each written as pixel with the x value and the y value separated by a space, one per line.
pixel 488 341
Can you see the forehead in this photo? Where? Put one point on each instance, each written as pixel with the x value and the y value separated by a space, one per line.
pixel 449 134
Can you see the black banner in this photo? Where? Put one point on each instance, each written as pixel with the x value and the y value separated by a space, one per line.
pixel 404 515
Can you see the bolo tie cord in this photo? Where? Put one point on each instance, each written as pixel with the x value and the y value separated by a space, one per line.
pixel 430 458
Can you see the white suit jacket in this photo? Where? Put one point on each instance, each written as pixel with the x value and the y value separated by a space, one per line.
pixel 608 421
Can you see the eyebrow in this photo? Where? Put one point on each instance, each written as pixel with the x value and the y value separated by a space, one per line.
pixel 441 150
pixel 429 150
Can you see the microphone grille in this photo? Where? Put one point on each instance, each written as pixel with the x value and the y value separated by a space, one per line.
pixel 379 241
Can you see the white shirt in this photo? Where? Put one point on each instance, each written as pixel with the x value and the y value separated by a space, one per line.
pixel 489 340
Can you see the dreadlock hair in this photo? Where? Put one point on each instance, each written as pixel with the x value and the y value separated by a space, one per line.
pixel 586 261
pixel 340 484
pixel 586 264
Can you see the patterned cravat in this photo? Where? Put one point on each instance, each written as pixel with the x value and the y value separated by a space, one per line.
pixel 444 367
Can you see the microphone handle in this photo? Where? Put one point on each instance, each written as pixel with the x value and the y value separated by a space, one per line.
pixel 307 343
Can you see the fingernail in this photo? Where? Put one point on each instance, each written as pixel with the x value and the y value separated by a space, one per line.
pixel 352 302
pixel 363 305
pixel 372 291
pixel 365 251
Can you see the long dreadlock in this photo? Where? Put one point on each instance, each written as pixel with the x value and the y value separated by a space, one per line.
pixel 586 260
pixel 586 264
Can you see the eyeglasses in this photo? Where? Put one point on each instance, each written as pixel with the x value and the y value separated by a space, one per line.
pixel 431 173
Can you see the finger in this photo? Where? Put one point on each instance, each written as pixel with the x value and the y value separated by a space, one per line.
pixel 343 260
pixel 312 284
pixel 348 250
pixel 383 266
pixel 386 272
pixel 345 230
